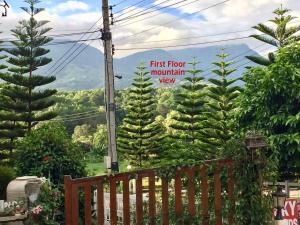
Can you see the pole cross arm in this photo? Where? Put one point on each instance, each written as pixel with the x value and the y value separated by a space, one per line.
pixel 5 6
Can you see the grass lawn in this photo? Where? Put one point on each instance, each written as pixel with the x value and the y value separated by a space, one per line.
pixel 97 168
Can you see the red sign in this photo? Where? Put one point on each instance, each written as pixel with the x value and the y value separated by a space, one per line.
pixel 290 212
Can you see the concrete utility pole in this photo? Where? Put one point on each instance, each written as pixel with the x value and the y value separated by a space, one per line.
pixel 109 88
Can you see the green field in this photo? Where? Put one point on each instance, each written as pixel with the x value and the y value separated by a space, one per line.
pixel 97 168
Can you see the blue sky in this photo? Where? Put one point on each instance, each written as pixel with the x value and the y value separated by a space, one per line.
pixel 93 6
pixel 234 15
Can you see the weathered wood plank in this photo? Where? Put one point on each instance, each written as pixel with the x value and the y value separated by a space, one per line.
pixel 139 200
pixel 100 203
pixel 204 195
pixel 165 201
pixel 113 201
pixel 126 206
pixel 87 204
pixel 152 210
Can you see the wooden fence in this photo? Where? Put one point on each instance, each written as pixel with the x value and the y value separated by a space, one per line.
pixel 197 191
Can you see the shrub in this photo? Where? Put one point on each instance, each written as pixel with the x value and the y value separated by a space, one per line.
pixel 45 210
pixel 48 151
pixel 7 174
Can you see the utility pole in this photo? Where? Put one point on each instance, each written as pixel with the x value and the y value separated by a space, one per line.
pixel 109 88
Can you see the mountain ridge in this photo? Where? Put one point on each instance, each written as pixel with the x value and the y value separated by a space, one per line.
pixel 87 70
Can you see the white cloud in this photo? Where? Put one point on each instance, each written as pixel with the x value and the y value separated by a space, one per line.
pixel 235 15
pixel 70 6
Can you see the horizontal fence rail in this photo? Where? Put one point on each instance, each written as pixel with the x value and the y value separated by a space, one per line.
pixel 201 194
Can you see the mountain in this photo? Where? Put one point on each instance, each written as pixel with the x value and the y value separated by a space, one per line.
pixel 87 70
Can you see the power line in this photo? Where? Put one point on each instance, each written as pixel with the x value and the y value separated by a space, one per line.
pixel 70 55
pixel 67 42
pixel 126 24
pixel 61 42
pixel 70 49
pixel 208 70
pixel 79 114
pixel 88 114
pixel 144 11
pixel 73 34
pixel 74 57
pixel 57 35
pixel 128 8
pixel 182 45
pixel 172 21
pixel 79 118
pixel 191 37
pixel 121 2
pixel 236 56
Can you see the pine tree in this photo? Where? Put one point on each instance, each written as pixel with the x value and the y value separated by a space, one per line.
pixel 9 130
pixel 221 106
pixel 189 115
pixel 26 105
pixel 139 136
pixel 279 36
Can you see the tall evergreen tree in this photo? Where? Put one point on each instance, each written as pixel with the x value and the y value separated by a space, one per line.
pixel 29 106
pixel 279 36
pixel 8 129
pixel 139 136
pixel 188 121
pixel 221 106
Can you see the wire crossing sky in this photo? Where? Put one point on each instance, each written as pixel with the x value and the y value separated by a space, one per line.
pixel 144 23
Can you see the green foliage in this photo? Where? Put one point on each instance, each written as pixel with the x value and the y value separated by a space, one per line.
pixel 82 134
pixel 187 120
pixel 7 174
pixel 26 57
pixel 80 107
pixel 165 100
pixel 22 106
pixel 94 141
pixel 139 136
pixel 222 94
pixel 45 209
pixel 279 36
pixel 48 151
pixel 270 103
pixel 251 169
pixel 99 142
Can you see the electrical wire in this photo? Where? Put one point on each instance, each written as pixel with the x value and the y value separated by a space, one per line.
pixel 72 53
pixel 191 37
pixel 121 2
pixel 208 70
pixel 60 42
pixel 172 21
pixel 128 8
pixel 70 49
pixel 57 35
pixel 157 14
pixel 74 57
pixel 79 118
pixel 144 11
pixel 94 113
pixel 182 45
pixel 96 110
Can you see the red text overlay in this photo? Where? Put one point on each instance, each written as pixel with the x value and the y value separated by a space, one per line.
pixel 167 68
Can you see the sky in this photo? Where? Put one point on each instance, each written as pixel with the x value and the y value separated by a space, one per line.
pixel 189 18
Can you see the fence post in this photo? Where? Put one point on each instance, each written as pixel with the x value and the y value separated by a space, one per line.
pixel 287 188
pixel 68 199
